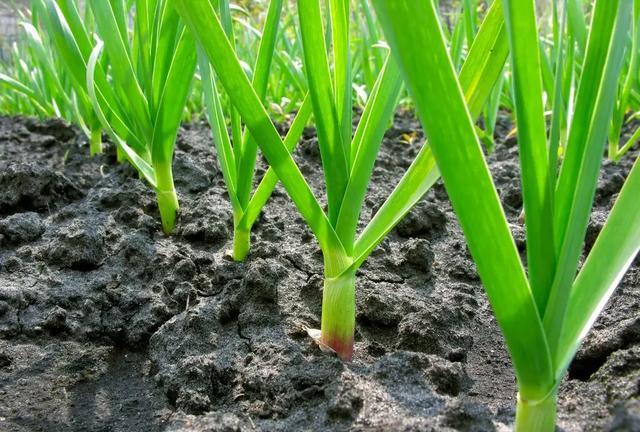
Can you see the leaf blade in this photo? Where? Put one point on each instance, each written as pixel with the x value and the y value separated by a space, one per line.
pixel 414 28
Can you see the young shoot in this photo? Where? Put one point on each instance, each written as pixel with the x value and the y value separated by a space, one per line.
pixel 142 102
pixel 546 311
pixel 237 151
pixel 61 65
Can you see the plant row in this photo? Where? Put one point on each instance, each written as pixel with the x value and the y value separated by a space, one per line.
pixel 569 76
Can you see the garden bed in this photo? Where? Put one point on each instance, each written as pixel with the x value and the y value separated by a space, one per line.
pixel 106 324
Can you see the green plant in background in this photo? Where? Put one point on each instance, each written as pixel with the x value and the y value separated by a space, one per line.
pixel 286 86
pixel 460 27
pixel 543 315
pixel 347 161
pixel 369 53
pixel 562 58
pixel 628 96
pixel 27 76
pixel 59 17
pixel 41 79
pixel 143 99
pixel 137 93
pixel 237 151
pixel 52 82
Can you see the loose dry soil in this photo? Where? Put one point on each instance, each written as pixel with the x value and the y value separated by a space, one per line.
pixel 108 325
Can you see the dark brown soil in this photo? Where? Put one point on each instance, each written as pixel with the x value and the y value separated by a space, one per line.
pixel 107 325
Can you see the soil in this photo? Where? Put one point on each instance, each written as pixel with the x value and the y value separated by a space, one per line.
pixel 108 325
